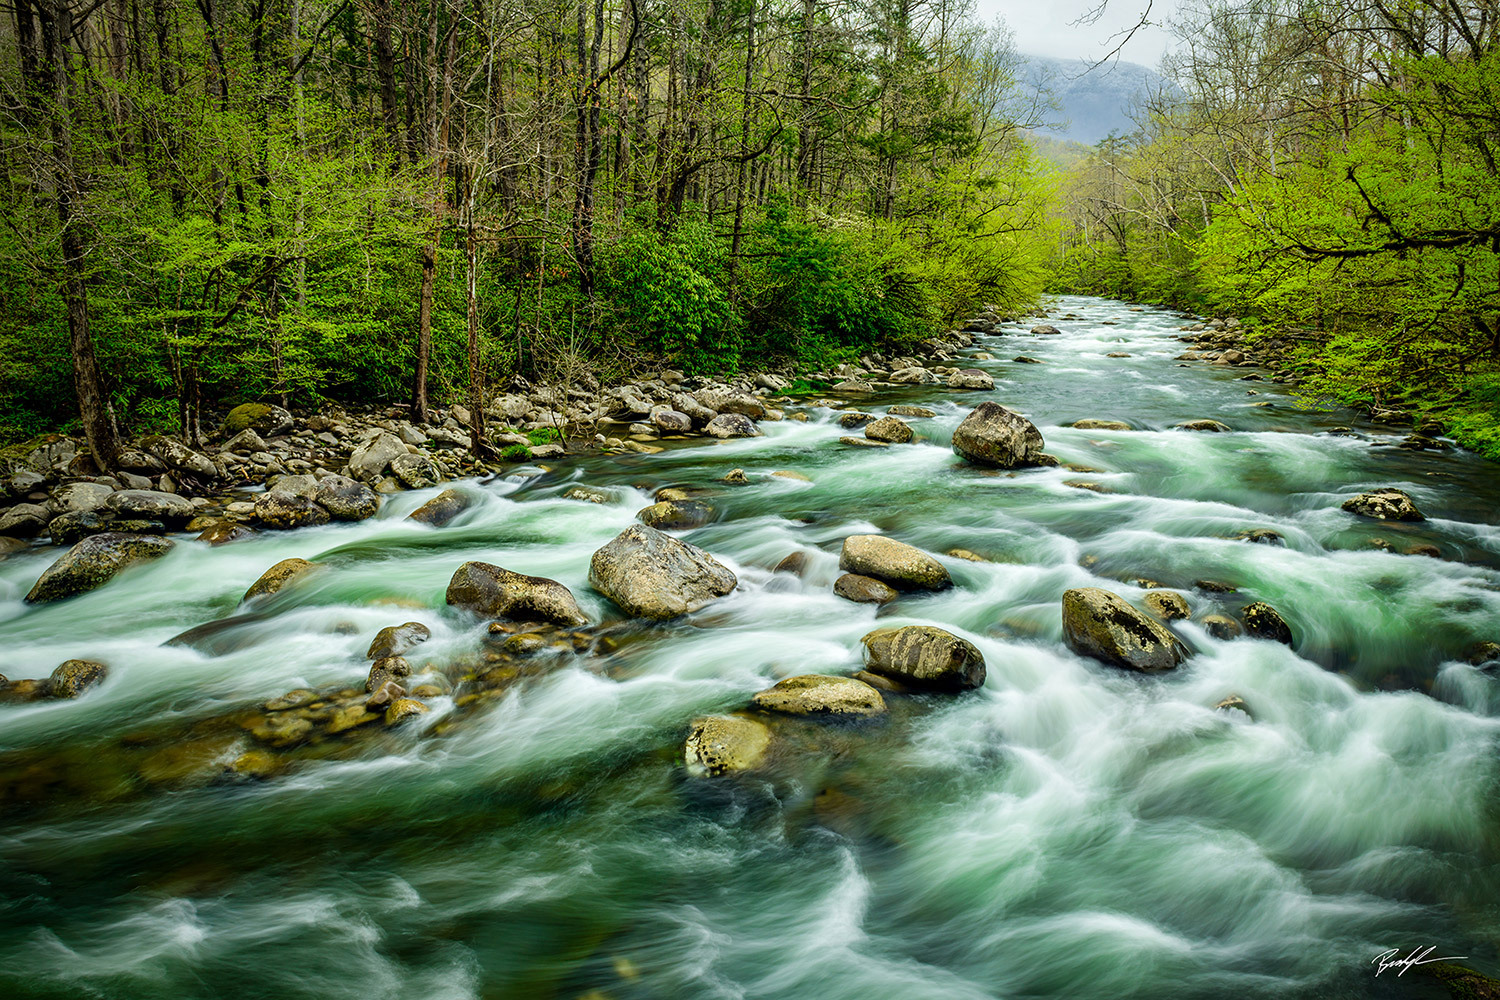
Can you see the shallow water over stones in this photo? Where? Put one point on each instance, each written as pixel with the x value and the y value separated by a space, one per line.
pixel 1068 829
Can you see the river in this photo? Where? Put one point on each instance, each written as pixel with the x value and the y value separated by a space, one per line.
pixel 1068 830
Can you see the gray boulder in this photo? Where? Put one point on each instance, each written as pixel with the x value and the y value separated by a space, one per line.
pixel 283 511
pixel 732 425
pixel 345 499
pixel 277 577
pixel 93 562
pixel 1101 625
pixel 970 378
pixel 1386 504
pixel 75 498
pixel 994 435
pixel 650 574
pixel 903 566
pixel 442 508
pixel 672 421
pixel 371 459
pixel 924 656
pixel 180 457
pixel 493 592
pixel 418 471
pixel 152 505
pixel 676 515
pixel 861 589
pixel 24 520
pixel 816 694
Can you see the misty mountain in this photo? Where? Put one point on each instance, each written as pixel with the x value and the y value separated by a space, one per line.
pixel 1091 100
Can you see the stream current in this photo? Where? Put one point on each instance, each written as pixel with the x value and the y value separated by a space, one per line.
pixel 1069 830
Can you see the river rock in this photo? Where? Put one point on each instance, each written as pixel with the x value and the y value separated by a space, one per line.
pixel 179 456
pixel 795 563
pixel 1264 622
pixel 672 421
pixel 387 669
pixel 447 505
pixel 152 505
pixel 76 498
pixel 732 425
pixel 1168 605
pixel 1045 329
pixel 419 472
pixel 493 592
pixel 278 576
pixel 93 562
pixel 1483 654
pixel 283 511
pixel 1211 426
pixel 855 442
pixel 226 531
pixel 24 520
pixel 246 442
pixel 676 515
pixel 1386 504
pixel 73 677
pixel 863 589
pixel 970 378
pixel 906 410
pixel 371 459
pixel 725 744
pixel 403 709
pixel 1100 425
pixel 817 694
pixel 260 417
pixel 1101 625
pixel 850 419
pixel 913 375
pixel 72 528
pixel 297 486
pixel 1221 627
pixel 650 574
pixel 903 566
pixel 394 640
pixel 890 429
pixel 994 435
pixel 924 656
pixel 345 499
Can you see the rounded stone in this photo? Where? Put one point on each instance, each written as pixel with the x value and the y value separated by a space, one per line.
pixel 889 429
pixel 902 566
pixel 725 744
pixel 863 589
pixel 994 435
pixel 924 656
pixel 73 677
pixel 1101 625
pixel 93 562
pixel 676 515
pixel 277 577
pixel 1168 605
pixel 817 694
pixel 1264 622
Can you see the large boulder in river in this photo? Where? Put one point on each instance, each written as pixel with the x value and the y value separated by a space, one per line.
pixel 1102 625
pixel 345 499
pixel 676 515
pixel 903 566
pixel 924 656
pixel 493 592
pixel 994 435
pixel 278 576
pixel 650 574
pixel 970 378
pixel 1385 504
pixel 892 430
pixel 152 505
pixel 442 508
pixel 817 694
pixel 283 511
pixel 93 562
pixel 725 744
pixel 732 425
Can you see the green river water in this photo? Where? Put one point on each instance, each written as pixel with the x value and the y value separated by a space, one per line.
pixel 1066 831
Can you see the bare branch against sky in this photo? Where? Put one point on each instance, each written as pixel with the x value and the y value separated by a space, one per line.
pixel 1085 29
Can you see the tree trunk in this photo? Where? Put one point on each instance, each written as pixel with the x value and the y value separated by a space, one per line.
pixel 438 150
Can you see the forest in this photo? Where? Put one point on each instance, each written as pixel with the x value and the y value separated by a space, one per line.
pixel 287 200
pixel 382 202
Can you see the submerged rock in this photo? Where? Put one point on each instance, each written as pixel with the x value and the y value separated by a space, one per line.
pixel 393 640
pixel 493 592
pixel 903 566
pixel 650 574
pixel 1264 622
pixel 1100 425
pixel 278 576
pixel 73 677
pixel 1168 604
pixel 676 515
pixel 725 744
pixel 93 562
pixel 889 429
pixel 1387 504
pixel 924 656
pixel 1099 624
pixel 994 435
pixel 863 589
pixel 817 694
pixel 445 507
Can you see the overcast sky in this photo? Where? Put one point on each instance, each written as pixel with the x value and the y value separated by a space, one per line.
pixel 1046 27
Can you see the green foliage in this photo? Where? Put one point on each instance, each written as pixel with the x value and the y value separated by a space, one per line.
pixel 544 435
pixel 515 453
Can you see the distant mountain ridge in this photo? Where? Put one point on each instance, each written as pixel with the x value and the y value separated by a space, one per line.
pixel 1093 100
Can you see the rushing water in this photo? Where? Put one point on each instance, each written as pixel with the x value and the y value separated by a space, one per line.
pixel 1069 830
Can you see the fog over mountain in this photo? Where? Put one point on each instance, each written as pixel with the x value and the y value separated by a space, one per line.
pixel 1092 100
